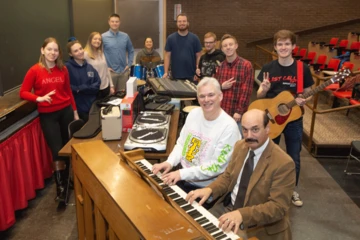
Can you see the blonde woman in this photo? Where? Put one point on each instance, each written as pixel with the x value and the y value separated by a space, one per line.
pixel 94 55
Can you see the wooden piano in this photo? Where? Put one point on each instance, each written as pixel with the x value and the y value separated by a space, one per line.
pixel 114 202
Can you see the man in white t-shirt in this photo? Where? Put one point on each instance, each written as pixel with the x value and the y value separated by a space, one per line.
pixel 205 144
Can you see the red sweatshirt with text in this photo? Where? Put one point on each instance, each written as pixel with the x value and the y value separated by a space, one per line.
pixel 43 82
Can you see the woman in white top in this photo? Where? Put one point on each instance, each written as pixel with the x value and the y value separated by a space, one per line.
pixel 94 54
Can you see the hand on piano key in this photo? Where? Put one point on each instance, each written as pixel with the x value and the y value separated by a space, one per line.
pixel 171 178
pixel 230 221
pixel 202 216
pixel 165 167
pixel 203 193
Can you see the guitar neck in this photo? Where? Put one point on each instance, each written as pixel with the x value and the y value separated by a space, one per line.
pixel 334 79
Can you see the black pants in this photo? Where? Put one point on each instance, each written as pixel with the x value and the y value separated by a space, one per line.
pixel 55 129
pixel 103 93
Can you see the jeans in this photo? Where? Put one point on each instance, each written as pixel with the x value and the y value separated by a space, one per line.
pixel 293 139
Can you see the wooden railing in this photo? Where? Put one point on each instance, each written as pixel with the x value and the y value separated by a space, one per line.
pixel 319 78
pixel 262 56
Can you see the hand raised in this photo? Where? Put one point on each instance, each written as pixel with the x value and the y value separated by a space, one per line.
pixel 228 83
pixel 265 83
pixel 47 97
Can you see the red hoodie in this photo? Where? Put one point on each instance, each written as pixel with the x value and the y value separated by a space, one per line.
pixel 43 82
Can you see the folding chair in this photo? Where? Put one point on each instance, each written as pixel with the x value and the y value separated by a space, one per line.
pixel 73 127
pixel 355 148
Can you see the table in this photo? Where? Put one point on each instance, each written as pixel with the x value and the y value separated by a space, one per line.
pixel 116 145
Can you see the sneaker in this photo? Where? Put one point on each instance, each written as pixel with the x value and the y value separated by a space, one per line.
pixel 296 199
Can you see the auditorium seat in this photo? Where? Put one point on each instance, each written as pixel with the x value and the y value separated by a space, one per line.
pixel 342 46
pixel 348 65
pixel 333 41
pixel 310 58
pixel 301 55
pixel 320 62
pixel 333 64
pixel 295 50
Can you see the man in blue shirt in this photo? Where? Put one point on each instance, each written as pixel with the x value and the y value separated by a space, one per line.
pixel 116 45
pixel 182 51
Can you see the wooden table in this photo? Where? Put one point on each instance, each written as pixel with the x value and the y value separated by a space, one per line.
pixel 116 145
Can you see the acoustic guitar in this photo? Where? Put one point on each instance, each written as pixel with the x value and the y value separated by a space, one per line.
pixel 283 108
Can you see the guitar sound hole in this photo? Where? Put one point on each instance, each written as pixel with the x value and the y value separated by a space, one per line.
pixel 283 109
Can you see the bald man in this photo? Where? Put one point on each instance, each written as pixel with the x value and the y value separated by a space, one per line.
pixel 264 209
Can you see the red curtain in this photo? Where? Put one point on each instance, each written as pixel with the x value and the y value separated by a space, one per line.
pixel 25 161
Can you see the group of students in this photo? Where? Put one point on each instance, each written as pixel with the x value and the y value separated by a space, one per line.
pixel 66 92
pixel 210 153
pixel 247 183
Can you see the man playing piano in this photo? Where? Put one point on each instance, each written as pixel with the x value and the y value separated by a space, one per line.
pixel 205 144
pixel 256 188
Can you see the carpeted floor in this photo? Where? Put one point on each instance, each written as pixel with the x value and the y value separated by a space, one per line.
pixel 333 128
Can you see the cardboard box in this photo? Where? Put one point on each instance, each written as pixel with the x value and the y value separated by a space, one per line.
pixel 131 87
pixel 129 111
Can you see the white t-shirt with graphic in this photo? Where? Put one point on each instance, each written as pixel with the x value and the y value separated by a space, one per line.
pixel 204 147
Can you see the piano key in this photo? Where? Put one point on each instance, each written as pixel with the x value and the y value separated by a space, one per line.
pixel 194 214
pixel 187 207
pixel 202 220
pixel 180 201
pixel 199 213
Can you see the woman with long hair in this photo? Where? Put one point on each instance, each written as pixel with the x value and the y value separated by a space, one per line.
pixel 94 55
pixel 84 79
pixel 49 80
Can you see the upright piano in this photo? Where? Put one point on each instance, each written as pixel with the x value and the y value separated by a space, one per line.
pixel 120 199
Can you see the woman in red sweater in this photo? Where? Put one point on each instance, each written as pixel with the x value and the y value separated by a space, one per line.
pixel 56 106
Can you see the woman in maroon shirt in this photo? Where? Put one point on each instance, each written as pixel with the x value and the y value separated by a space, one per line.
pixel 49 80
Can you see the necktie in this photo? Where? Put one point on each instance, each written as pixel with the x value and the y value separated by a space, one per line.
pixel 244 181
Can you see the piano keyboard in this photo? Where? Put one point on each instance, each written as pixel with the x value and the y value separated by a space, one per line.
pixel 202 216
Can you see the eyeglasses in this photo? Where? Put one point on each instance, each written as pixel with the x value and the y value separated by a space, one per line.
pixel 209 42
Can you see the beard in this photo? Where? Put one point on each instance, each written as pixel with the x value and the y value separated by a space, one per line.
pixel 182 29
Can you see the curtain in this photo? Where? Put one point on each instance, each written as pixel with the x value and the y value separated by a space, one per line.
pixel 25 161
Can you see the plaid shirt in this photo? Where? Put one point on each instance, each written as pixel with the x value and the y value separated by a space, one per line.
pixel 237 98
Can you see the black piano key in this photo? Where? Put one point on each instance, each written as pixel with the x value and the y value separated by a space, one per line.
pixel 213 229
pixel 209 227
pixel 222 237
pixel 194 214
pixel 148 171
pixel 218 234
pixel 139 163
pixel 187 207
pixel 174 196
pixel 179 201
pixel 157 179
pixel 168 190
pixel 202 220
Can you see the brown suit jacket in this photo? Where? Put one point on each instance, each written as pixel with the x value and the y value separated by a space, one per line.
pixel 269 192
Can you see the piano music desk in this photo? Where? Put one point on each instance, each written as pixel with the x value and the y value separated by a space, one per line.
pixel 113 145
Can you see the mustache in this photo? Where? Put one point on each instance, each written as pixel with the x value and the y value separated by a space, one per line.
pixel 250 140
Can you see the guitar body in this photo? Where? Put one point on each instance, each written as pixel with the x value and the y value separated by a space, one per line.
pixel 278 111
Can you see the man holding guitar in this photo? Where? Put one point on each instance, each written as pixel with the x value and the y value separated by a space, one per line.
pixel 282 75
